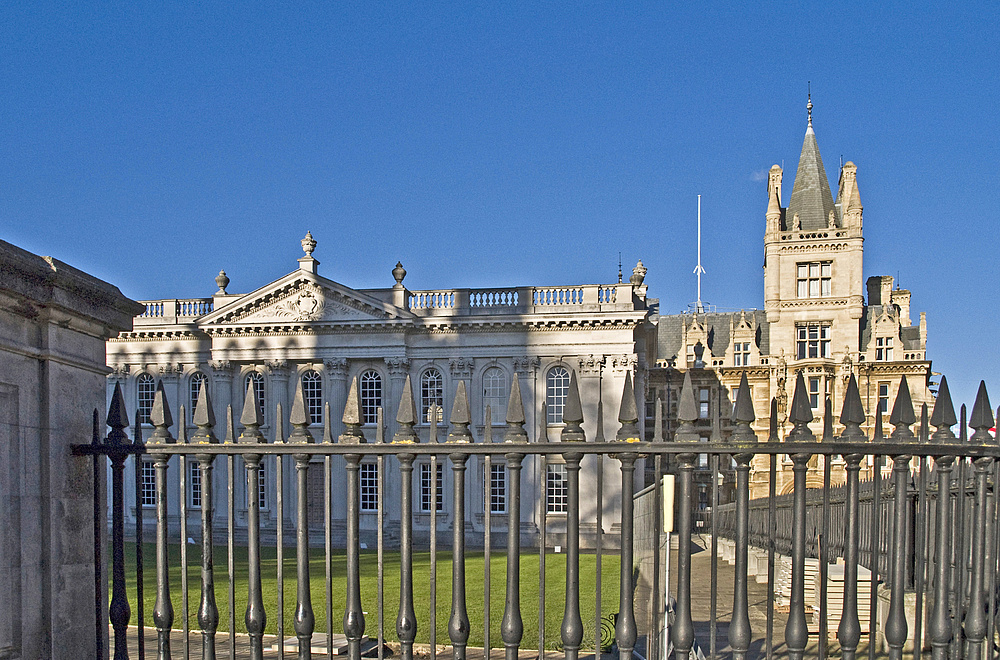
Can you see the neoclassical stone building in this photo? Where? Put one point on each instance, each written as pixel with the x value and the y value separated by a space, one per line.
pixel 820 317
pixel 305 328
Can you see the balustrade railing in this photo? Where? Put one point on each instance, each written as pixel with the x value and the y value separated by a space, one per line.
pixel 904 530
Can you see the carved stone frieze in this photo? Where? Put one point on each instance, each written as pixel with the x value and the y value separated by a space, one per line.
pixel 397 366
pixel 526 365
pixel 120 371
pixel 624 362
pixel 221 368
pixel 461 367
pixel 171 369
pixel 336 366
pixel 591 364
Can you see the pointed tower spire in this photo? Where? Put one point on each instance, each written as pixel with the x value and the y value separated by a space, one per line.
pixel 573 413
pixel 515 415
pixel 852 414
pixel 406 416
pixel 943 416
pixel 801 413
pixel 902 414
pixel 461 417
pixel 628 416
pixel 811 201
pixel 160 417
pixel 743 415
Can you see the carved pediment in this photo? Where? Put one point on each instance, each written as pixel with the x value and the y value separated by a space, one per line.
pixel 302 300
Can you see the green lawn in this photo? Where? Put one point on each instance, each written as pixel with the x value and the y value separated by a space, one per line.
pixel 555 591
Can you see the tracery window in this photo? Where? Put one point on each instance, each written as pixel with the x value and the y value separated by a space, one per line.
pixel 312 392
pixel 556 390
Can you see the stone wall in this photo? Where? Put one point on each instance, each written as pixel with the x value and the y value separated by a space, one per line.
pixel 54 321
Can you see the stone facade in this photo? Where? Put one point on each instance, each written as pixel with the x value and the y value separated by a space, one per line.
pixel 816 320
pixel 304 327
pixel 54 321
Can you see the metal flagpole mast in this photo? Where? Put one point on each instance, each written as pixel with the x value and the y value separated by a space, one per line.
pixel 698 269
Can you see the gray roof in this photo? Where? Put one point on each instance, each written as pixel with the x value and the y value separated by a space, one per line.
pixel 670 330
pixel 811 196
pixel 909 336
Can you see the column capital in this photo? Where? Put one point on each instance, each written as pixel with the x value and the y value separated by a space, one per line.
pixel 591 365
pixel 526 365
pixel 336 367
pixel 397 366
pixel 461 367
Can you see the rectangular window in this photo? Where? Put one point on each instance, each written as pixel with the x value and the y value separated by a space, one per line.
pixel 814 392
pixel 813 279
pixel 741 356
pixel 498 488
pixel 813 341
pixel 703 397
pixel 690 356
pixel 883 349
pixel 883 397
pixel 425 488
pixel 261 488
pixel 194 483
pixel 556 489
pixel 369 486
pixel 148 477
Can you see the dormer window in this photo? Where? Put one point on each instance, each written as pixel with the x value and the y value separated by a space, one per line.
pixel 741 354
pixel 813 279
pixel 883 349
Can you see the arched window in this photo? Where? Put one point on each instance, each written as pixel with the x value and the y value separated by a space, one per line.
pixel 371 395
pixel 257 379
pixel 145 392
pixel 556 389
pixel 198 381
pixel 431 393
pixel 495 395
pixel 312 391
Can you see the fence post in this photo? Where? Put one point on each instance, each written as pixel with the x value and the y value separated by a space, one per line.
pixel 163 611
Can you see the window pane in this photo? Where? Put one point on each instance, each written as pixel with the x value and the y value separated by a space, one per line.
pixel 557 489
pixel 826 270
pixel 369 486
pixel 312 391
pixel 148 477
pixel 371 395
pixel 431 393
pixel 556 390
pixel 803 288
pixel 814 270
pixel 495 394
pixel 194 483
pixel 826 287
pixel 803 271
pixel 146 391
pixel 813 288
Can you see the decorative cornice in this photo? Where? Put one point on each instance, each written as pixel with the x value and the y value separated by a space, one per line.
pixel 815 302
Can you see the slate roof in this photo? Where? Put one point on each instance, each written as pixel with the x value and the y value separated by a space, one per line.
pixel 811 196
pixel 670 329
pixel 909 336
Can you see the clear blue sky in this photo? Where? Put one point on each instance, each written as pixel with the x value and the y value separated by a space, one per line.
pixel 505 143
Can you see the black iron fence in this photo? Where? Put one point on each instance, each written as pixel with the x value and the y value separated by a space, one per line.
pixel 886 525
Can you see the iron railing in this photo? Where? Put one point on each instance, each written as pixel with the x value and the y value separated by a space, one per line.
pixel 893 537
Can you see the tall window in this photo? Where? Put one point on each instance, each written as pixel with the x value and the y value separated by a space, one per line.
pixel 148 484
pixel 556 390
pixel 256 379
pixel 813 279
pixel 198 381
pixel 704 395
pixel 813 341
pixel 498 488
pixel 369 486
pixel 145 392
pixel 814 392
pixel 312 391
pixel 495 394
pixel 431 493
pixel 431 394
pixel 883 397
pixel 556 489
pixel 194 483
pixel 883 349
pixel 371 396
pixel 741 356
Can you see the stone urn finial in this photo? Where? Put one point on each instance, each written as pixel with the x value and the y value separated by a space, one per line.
pixel 638 274
pixel 308 244
pixel 398 273
pixel 221 281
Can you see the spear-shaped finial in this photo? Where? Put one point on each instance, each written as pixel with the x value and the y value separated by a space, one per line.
pixel 687 412
pixel 828 420
pixel 279 424
pixel 461 416
pixel 230 425
pixel 801 413
pixel 251 419
pixel 160 417
pixel 981 418
pixel 628 415
pixel 300 419
pixel 117 418
pixel 353 418
pixel 743 415
pixel 772 422
pixel 327 424
pixel 852 414
pixel 515 415
pixel 943 416
pixel 204 419
pixel 902 414
pixel 406 417
pixel 573 413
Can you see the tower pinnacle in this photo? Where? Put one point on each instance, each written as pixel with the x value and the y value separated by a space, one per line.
pixel 809 104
